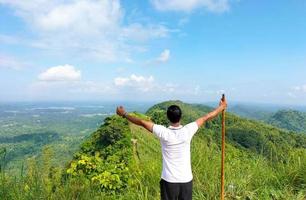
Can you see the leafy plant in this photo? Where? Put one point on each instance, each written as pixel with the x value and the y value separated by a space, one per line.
pixel 104 157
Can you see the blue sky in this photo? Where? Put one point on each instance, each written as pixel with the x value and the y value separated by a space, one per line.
pixel 154 50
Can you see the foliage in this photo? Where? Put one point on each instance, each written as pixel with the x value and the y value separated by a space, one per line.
pixel 26 127
pixel 289 119
pixel 105 156
pixel 262 162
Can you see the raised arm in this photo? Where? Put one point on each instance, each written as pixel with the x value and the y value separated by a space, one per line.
pixel 213 114
pixel 135 120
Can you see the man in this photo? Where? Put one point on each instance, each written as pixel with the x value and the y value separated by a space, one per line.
pixel 176 178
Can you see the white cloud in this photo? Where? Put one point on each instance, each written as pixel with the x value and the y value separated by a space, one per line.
pixel 141 83
pixel 90 28
pixel 10 62
pixel 132 87
pixel 121 81
pixel 189 5
pixel 290 94
pixel 301 88
pixel 81 16
pixel 85 17
pixel 140 32
pixel 60 73
pixel 169 88
pixel 164 56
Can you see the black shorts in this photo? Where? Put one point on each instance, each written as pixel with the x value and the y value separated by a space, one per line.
pixel 175 191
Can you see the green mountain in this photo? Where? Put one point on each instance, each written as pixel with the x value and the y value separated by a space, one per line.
pixel 292 120
pixel 289 119
pixel 123 161
pixel 252 111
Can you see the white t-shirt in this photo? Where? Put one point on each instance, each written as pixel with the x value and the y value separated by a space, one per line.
pixel 175 143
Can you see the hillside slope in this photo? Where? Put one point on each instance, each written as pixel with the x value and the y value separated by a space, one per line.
pixel 252 111
pixel 289 119
pixel 261 161
pixel 123 161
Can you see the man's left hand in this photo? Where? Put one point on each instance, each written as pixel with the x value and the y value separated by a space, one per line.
pixel 120 111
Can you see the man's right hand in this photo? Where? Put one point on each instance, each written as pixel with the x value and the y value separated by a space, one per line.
pixel 212 114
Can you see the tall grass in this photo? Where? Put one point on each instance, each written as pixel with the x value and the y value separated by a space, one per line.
pixel 248 175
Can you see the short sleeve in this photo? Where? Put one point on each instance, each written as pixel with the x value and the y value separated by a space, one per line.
pixel 192 128
pixel 160 131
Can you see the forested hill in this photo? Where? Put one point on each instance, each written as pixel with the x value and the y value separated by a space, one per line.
pixel 123 161
pixel 252 112
pixel 290 120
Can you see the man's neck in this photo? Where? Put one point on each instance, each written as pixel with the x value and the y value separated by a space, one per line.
pixel 175 124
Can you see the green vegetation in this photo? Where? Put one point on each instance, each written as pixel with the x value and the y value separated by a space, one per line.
pixel 105 156
pixel 25 129
pixel 289 119
pixel 20 145
pixel 262 162
pixel 262 113
pixel 292 120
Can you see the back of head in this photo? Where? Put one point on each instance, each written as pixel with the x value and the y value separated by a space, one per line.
pixel 174 113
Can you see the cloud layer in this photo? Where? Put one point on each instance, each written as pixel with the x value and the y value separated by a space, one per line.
pixel 164 56
pixel 90 28
pixel 189 5
pixel 60 73
pixel 141 83
pixel 10 62
pixel 301 88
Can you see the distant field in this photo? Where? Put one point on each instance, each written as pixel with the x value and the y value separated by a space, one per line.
pixel 26 127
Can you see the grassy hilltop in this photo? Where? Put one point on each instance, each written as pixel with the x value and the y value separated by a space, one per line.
pixel 262 162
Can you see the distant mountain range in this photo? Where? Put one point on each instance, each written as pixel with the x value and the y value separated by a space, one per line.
pixel 289 119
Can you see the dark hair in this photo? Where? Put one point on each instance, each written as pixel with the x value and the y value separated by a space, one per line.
pixel 174 113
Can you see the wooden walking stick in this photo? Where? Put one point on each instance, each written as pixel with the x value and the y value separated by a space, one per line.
pixel 222 151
